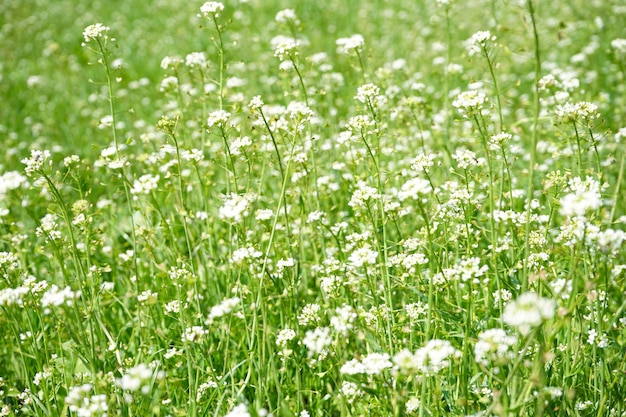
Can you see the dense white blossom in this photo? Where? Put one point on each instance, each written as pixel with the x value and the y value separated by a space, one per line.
pixel 211 8
pixel 528 311
pixel 95 31
pixel 138 378
pixel 583 196
pixel 351 44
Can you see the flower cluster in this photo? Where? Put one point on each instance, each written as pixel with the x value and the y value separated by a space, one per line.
pixel 494 346
pixel 211 9
pixel 470 103
pixel 235 207
pixel 96 31
pixel 372 364
pixel 583 197
pixel 287 16
pixel 584 111
pixel 528 311
pixel 479 42
pixel 435 356
pixel 145 184
pixel 218 118
pixel 285 47
pixel 139 378
pixel 84 404
pixel 36 161
pixel 350 45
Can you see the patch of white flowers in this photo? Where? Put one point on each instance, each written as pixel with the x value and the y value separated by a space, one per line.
pixel 84 404
pixel 211 9
pixel 139 378
pixel 36 161
pixel 96 31
pixel 583 196
pixel 479 42
pixel 470 103
pixel 528 311
pixel 372 364
pixel 435 356
pixel 352 44
pixel 494 346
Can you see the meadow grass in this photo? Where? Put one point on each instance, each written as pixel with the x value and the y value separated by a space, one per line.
pixel 329 208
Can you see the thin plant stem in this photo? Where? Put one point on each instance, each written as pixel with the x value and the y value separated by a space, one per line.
pixel 533 143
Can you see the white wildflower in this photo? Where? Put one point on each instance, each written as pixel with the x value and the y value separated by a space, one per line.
pixel 435 356
pixel 479 42
pixel 56 296
pixel 243 254
pixel 360 123
pixel 309 314
pixel 413 403
pixel 196 60
pixel 465 159
pixel 218 118
pixel 284 336
pixel 171 62
pixel 362 195
pixel 239 145
pixel 235 207
pixel 470 103
pixel 363 256
pixel 145 184
pixel 494 345
pixel 350 391
pixel 372 364
pixel 256 103
pixel 343 320
pixel 583 110
pixel 285 47
pixel 413 188
pixel 416 310
pixel 139 378
pixel 423 162
pixel 81 402
pixel 263 214
pixel 225 307
pixel 352 367
pixel 211 8
pixel 287 16
pixel 96 31
pixel 240 410
pixel 529 310
pixel 194 334
pixel 348 45
pixel 317 340
pixel 35 161
pixel 11 180
pixel 583 196
pixel 368 94
pixel 376 363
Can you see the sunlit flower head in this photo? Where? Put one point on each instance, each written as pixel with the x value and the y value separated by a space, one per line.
pixel 211 9
pixel 528 311
pixel 96 31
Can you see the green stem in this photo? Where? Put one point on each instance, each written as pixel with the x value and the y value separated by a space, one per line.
pixel 533 145
pixel 382 244
pixel 295 66
pixel 229 161
pixel 361 64
pixel 578 150
pixel 616 191
pixel 495 86
pixel 117 155
pixel 220 51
